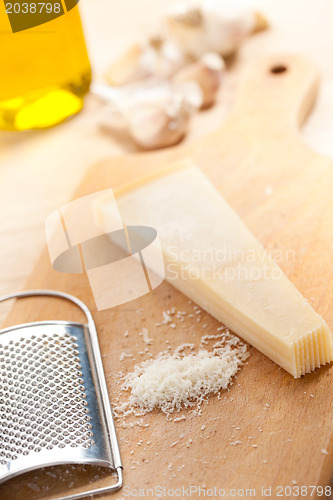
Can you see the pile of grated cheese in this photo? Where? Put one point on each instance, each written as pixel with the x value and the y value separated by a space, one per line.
pixel 170 382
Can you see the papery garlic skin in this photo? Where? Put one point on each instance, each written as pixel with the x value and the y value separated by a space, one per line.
pixel 216 26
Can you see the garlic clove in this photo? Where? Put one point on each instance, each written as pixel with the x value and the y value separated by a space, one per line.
pixel 164 122
pixel 152 127
pixel 207 73
pixel 227 24
pixel 128 68
pixel 155 57
pixel 168 58
pixel 189 92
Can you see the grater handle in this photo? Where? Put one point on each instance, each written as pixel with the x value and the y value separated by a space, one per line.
pixel 101 382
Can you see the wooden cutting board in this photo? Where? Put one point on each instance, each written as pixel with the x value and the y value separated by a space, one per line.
pixel 284 193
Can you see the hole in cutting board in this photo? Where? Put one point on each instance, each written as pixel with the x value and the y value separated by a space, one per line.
pixel 278 69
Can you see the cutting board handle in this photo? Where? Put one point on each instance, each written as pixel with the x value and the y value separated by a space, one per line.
pixel 276 92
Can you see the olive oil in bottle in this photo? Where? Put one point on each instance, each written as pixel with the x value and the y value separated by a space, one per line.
pixel 45 70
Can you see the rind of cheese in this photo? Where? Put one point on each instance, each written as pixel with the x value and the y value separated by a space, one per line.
pixel 213 258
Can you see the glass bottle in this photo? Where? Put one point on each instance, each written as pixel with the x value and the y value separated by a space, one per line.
pixel 45 70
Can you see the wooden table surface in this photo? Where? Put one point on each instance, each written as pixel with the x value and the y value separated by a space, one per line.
pixel 40 170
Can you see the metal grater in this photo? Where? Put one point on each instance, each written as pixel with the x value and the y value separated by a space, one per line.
pixel 54 404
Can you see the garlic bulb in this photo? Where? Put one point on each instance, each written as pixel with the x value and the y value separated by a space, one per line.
pixel 155 116
pixel 207 72
pixel 217 25
pixel 155 57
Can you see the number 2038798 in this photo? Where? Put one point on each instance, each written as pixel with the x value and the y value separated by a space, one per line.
pixel 33 8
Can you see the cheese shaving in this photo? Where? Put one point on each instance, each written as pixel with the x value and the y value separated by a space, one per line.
pixel 145 336
pixel 170 382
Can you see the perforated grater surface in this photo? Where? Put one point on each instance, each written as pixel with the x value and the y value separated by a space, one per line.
pixel 54 404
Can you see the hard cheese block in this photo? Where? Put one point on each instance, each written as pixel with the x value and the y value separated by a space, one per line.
pixel 213 258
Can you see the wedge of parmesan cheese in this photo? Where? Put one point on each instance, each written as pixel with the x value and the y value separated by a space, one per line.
pixel 213 258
